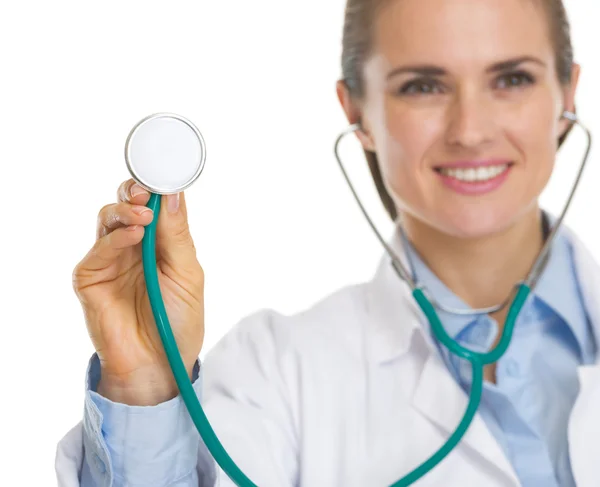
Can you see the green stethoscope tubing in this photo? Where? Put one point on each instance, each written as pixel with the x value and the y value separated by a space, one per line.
pixel 214 446
pixel 478 361
pixel 172 351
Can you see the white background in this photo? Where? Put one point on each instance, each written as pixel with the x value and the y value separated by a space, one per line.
pixel 273 220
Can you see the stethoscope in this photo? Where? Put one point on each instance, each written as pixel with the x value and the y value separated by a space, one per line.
pixel 165 154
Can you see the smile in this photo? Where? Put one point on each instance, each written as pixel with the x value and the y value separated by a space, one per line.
pixel 472 174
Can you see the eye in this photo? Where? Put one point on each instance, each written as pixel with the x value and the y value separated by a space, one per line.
pixel 422 86
pixel 516 79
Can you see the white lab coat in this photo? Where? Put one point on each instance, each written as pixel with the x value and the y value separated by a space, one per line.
pixel 352 393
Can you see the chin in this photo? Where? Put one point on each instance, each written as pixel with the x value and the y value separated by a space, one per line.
pixel 477 221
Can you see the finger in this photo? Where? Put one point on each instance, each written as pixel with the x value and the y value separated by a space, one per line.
pixel 118 215
pixel 173 238
pixel 106 251
pixel 131 192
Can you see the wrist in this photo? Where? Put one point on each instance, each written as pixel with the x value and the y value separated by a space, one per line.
pixel 147 388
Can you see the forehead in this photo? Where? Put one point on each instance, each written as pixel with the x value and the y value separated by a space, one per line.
pixel 460 31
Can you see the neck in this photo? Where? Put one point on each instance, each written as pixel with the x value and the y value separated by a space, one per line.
pixel 481 271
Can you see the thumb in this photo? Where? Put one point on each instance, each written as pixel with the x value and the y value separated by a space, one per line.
pixel 174 243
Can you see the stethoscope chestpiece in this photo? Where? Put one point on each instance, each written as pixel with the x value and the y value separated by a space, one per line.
pixel 165 153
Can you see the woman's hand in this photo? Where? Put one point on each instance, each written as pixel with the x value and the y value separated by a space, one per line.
pixel 109 282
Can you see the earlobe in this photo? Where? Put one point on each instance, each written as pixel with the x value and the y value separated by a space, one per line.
pixel 365 139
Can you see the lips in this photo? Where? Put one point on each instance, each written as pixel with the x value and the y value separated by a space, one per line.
pixel 471 174
pixel 474 177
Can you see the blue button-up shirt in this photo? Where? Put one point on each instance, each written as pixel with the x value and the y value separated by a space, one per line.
pixel 139 446
pixel 528 408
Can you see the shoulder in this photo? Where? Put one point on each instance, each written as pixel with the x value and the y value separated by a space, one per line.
pixel 333 322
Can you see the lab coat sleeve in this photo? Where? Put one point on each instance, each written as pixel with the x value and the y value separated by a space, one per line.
pixel 117 445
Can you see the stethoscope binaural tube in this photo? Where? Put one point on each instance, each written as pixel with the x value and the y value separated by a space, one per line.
pixel 478 360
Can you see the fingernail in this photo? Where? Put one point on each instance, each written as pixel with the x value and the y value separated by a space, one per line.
pixel 173 202
pixel 137 190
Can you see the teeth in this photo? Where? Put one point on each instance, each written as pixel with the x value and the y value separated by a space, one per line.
pixel 475 174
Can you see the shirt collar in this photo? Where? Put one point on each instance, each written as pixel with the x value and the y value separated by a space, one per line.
pixel 557 288
pixel 436 289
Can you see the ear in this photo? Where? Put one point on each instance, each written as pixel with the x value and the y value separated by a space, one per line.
pixel 354 115
pixel 569 98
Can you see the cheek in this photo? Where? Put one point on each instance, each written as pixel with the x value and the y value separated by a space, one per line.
pixel 408 136
pixel 535 134
pixel 410 139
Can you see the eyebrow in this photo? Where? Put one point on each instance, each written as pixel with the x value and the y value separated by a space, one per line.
pixel 430 70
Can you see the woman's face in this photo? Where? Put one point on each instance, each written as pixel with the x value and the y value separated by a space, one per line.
pixel 463 108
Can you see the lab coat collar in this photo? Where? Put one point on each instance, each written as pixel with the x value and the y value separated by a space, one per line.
pixel 388 299
pixel 587 271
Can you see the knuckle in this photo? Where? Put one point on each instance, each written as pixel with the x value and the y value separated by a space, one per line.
pixel 123 193
pixel 196 277
pixel 112 213
pixel 102 221
pixel 76 277
pixel 104 210
pixel 201 280
pixel 122 207
pixel 200 271
pixel 183 234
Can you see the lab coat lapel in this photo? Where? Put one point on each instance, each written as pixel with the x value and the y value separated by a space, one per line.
pixel 398 323
pixel 584 424
pixel 443 402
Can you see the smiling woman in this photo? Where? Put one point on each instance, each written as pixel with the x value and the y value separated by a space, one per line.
pixel 456 63
pixel 460 106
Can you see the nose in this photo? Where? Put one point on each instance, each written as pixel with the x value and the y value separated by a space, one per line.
pixel 470 121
